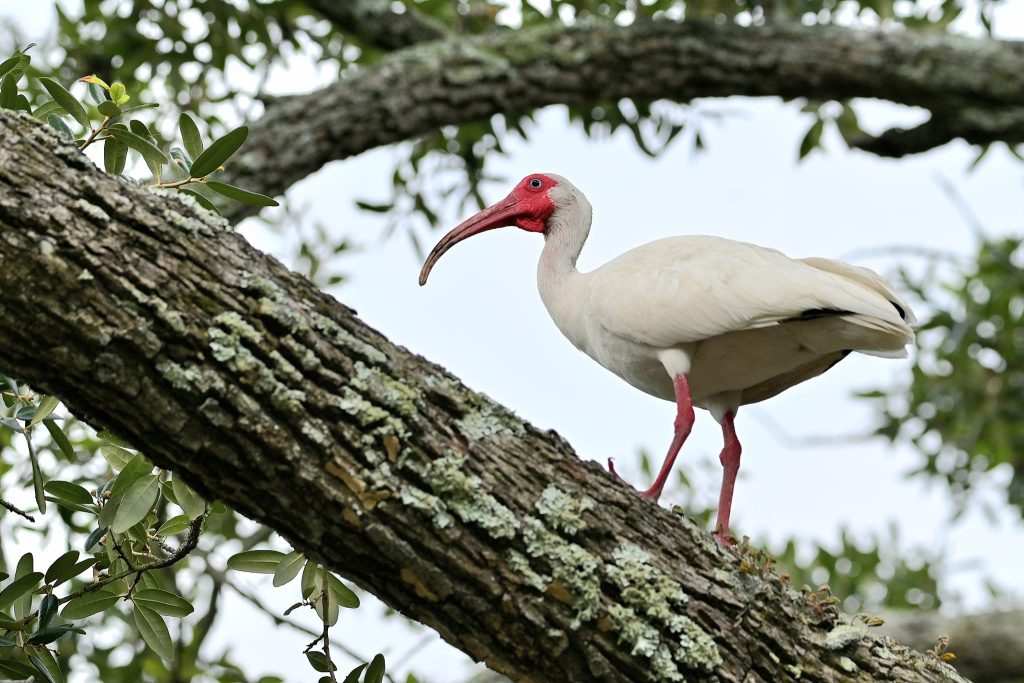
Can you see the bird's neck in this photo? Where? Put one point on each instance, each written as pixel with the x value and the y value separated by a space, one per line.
pixel 557 276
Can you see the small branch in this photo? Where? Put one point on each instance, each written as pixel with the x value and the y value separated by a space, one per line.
pixel 974 125
pixel 187 547
pixel 17 510
pixel 378 24
pixel 279 620
pixel 326 598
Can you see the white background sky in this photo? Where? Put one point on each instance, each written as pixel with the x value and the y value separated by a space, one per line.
pixel 482 318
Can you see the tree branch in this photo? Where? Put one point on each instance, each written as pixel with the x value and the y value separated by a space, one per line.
pixel 416 90
pixel 977 126
pixel 147 316
pixel 376 23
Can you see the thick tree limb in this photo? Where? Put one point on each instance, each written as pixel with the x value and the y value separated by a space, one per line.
pixel 147 316
pixel 377 23
pixel 419 89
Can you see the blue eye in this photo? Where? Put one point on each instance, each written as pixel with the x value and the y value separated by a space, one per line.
pixel 535 183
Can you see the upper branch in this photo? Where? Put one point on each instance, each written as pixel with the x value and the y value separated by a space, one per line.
pixel 146 315
pixel 418 89
pixel 377 23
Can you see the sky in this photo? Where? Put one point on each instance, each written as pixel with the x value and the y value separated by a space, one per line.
pixel 481 317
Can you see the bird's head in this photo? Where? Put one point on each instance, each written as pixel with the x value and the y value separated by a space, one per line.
pixel 529 206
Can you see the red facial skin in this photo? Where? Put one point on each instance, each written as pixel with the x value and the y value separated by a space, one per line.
pixel 526 207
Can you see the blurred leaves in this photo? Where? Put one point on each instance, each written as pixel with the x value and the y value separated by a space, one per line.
pixel 962 408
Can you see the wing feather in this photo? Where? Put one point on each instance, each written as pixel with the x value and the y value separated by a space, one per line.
pixel 688 289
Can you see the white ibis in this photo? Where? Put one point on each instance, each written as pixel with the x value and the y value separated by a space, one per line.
pixel 701 321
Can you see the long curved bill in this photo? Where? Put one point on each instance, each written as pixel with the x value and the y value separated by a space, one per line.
pixel 500 215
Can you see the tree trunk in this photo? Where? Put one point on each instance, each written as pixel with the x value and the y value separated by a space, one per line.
pixel 148 316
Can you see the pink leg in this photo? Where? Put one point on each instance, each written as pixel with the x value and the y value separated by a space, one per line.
pixel 730 458
pixel 683 425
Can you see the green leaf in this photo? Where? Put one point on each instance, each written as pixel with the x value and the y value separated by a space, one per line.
pixel 21 586
pixel 117 456
pixel 115 156
pixel 47 108
pixel 318 660
pixel 136 503
pixel 238 194
pixel 47 610
pixel 89 604
pixel 175 525
pixel 118 94
pixel 179 157
pixel 200 199
pixel 289 568
pixel 154 631
pixel 353 675
pixel 66 100
pixel 62 564
pixel 136 468
pixel 95 537
pixel 9 90
pixel 812 139
pixel 163 602
pixel 108 109
pixel 44 661
pixel 375 672
pixel 310 579
pixel 375 208
pixel 23 603
pixel 45 636
pixel 17 670
pixel 72 572
pixel 69 492
pixel 9 64
pixel 187 499
pixel 46 407
pixel 61 439
pixel 256 561
pixel 37 475
pixel 190 135
pixel 140 129
pixel 218 152
pixel 57 123
pixel 342 593
pixel 6 642
pixel 150 152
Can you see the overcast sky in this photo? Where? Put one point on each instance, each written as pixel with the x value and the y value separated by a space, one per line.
pixel 481 317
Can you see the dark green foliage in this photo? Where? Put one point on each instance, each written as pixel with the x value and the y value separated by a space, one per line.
pixel 963 409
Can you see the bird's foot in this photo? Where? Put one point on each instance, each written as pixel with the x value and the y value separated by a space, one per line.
pixel 724 537
pixel 653 493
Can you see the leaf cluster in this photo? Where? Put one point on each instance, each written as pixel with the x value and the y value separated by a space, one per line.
pixel 107 119
pixel 961 408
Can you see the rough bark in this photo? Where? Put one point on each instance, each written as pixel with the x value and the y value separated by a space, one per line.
pixel 988 647
pixel 974 88
pixel 376 22
pixel 149 317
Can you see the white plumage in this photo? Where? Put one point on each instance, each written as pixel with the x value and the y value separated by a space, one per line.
pixel 726 323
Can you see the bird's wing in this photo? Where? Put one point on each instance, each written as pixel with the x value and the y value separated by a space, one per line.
pixel 687 289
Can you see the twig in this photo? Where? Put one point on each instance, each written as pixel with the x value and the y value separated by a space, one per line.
pixel 187 547
pixel 279 620
pixel 16 510
pixel 327 627
pixel 787 439
pixel 427 639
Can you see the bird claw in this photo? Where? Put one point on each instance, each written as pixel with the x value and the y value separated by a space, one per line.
pixel 611 468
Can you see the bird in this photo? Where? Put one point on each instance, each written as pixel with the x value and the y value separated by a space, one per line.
pixel 699 320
